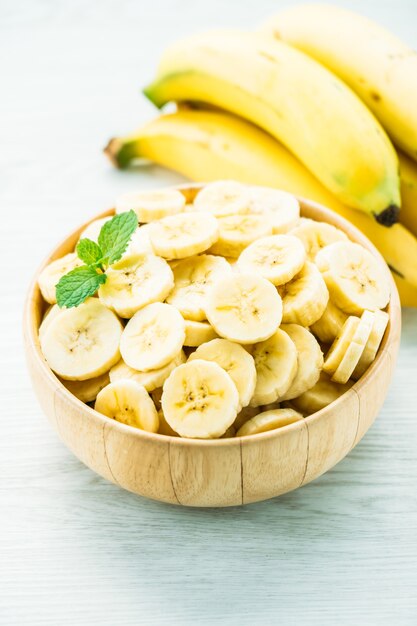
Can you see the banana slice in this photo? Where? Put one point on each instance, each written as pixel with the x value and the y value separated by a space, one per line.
pixel 151 205
pixel 53 311
pixel 164 427
pixel 139 241
pixel 316 235
pixel 129 403
pixel 278 258
pixel 354 277
pixel 281 208
pixel 309 360
pixel 82 342
pixel 235 360
pixel 305 297
pixel 151 379
pixel 324 392
pixel 152 337
pixel 183 235
pixel 50 276
pixel 134 282
pixel 236 232
pixel 87 390
pixel 199 399
pixel 347 348
pixel 268 420
pixel 224 197
pixel 330 323
pixel 276 366
pixel 371 348
pixel 244 308
pixel 197 333
pixel 193 277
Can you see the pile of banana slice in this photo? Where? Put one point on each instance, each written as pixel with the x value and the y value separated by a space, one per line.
pixel 226 317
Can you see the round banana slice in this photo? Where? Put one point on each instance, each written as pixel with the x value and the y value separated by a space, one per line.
pixel 236 232
pixel 197 333
pixel 281 208
pixel 151 379
pixel 324 392
pixel 268 420
pixel 53 311
pixel 330 323
pixel 151 205
pixel 278 258
pixel 152 337
pixel 305 297
pixel 139 242
pixel 309 360
pixel 87 390
pixel 244 308
pixel 183 235
pixel 223 197
pixel 354 277
pixel 129 403
pixel 82 342
pixel 134 282
pixel 371 348
pixel 316 235
pixel 192 279
pixel 276 366
pixel 164 427
pixel 51 275
pixel 199 399
pixel 235 360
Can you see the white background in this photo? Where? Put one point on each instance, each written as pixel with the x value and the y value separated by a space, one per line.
pixel 77 550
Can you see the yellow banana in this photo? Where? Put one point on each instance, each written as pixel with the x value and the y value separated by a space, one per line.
pixel 408 293
pixel 297 101
pixel 408 176
pixel 208 145
pixel 380 68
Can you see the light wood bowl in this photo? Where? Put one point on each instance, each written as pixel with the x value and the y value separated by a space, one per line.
pixel 223 472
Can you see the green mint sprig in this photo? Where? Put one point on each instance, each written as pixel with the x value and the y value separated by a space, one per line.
pixel 83 281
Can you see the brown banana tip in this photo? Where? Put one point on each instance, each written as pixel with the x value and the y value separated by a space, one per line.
pixel 389 216
pixel 111 150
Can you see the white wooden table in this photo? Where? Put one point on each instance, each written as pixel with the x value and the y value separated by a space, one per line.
pixel 76 550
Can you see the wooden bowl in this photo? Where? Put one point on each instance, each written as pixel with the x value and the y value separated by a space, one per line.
pixel 223 472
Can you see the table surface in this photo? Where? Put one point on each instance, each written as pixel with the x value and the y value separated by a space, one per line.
pixel 78 550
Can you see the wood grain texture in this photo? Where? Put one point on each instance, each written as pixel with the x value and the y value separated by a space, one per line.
pixel 77 549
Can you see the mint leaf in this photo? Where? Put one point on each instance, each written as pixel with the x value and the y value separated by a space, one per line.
pixel 89 252
pixel 115 236
pixel 78 285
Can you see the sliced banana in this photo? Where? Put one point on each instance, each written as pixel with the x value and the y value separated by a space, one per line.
pixel 316 235
pixel 235 360
pixel 134 282
pixel 347 348
pixel 164 427
pixel 82 342
pixel 268 420
pixel 53 311
pixel 87 390
pixel 305 297
pixel 244 308
pixel 152 337
pixel 309 360
pixel 281 208
pixel 182 235
pixel 129 403
pixel 223 197
pixel 200 400
pixel 151 205
pixel 277 258
pixel 197 333
pixel 371 348
pixel 51 275
pixel 236 232
pixel 139 242
pixel 276 366
pixel 356 280
pixel 324 392
pixel 330 323
pixel 193 278
pixel 152 379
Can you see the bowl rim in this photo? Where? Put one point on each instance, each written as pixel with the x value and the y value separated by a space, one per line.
pixel 30 330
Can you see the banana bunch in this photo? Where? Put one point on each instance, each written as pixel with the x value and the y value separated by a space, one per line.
pixel 230 315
